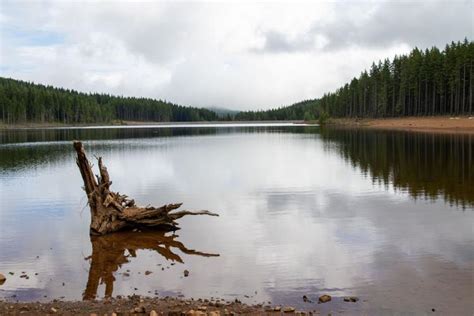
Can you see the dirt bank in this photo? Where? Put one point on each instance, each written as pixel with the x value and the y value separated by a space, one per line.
pixel 461 124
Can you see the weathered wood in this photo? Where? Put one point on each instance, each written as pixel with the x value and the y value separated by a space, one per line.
pixel 111 211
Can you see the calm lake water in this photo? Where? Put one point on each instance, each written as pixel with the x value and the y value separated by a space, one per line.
pixel 385 216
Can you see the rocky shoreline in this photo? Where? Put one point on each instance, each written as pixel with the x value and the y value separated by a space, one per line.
pixel 138 305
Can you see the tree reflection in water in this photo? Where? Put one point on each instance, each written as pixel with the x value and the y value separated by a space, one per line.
pixel 111 251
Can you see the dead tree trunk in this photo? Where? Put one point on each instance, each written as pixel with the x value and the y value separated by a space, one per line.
pixel 111 211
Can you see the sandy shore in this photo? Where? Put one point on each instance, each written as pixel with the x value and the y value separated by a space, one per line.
pixel 461 124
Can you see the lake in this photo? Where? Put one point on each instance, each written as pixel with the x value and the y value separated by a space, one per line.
pixel 383 215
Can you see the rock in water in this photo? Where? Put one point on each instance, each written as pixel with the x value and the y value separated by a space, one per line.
pixel 352 299
pixel 2 279
pixel 324 298
pixel 186 273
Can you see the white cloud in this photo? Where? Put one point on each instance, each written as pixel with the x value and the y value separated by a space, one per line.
pixel 237 55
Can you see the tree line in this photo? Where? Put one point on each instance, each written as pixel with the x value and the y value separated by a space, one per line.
pixel 22 102
pixel 422 83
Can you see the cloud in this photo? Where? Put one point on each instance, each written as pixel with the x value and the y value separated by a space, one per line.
pixel 236 55
pixel 383 24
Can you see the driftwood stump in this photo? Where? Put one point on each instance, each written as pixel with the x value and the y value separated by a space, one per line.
pixel 111 211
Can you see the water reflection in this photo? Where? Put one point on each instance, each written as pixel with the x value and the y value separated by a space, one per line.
pixel 426 165
pixel 70 134
pixel 111 252
pixel 303 212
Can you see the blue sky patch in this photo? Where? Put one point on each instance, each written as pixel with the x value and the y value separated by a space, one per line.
pixel 33 38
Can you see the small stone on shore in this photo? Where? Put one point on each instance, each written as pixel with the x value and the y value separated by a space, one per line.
pixel 139 309
pixel 186 273
pixel 2 279
pixel 148 272
pixel 288 309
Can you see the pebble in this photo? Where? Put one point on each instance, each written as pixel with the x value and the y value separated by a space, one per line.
pixel 352 299
pixel 139 309
pixel 186 273
pixel 288 309
pixel 324 298
pixel 153 313
pixel 54 310
pixel 277 308
pixel 195 313
pixel 2 278
pixel 148 272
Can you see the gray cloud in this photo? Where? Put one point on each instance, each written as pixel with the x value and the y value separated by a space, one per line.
pixel 421 24
pixel 279 43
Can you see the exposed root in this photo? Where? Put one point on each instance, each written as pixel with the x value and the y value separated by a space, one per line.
pixel 111 211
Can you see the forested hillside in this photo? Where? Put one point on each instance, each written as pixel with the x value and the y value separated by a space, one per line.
pixel 425 82
pixel 23 102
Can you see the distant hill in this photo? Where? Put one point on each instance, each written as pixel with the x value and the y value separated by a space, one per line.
pixel 223 112
pixel 25 102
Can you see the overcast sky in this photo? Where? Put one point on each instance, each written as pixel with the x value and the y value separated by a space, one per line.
pixel 236 55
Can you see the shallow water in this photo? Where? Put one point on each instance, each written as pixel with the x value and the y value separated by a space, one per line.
pixel 385 216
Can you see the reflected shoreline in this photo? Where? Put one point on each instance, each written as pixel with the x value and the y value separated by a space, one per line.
pixel 426 165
